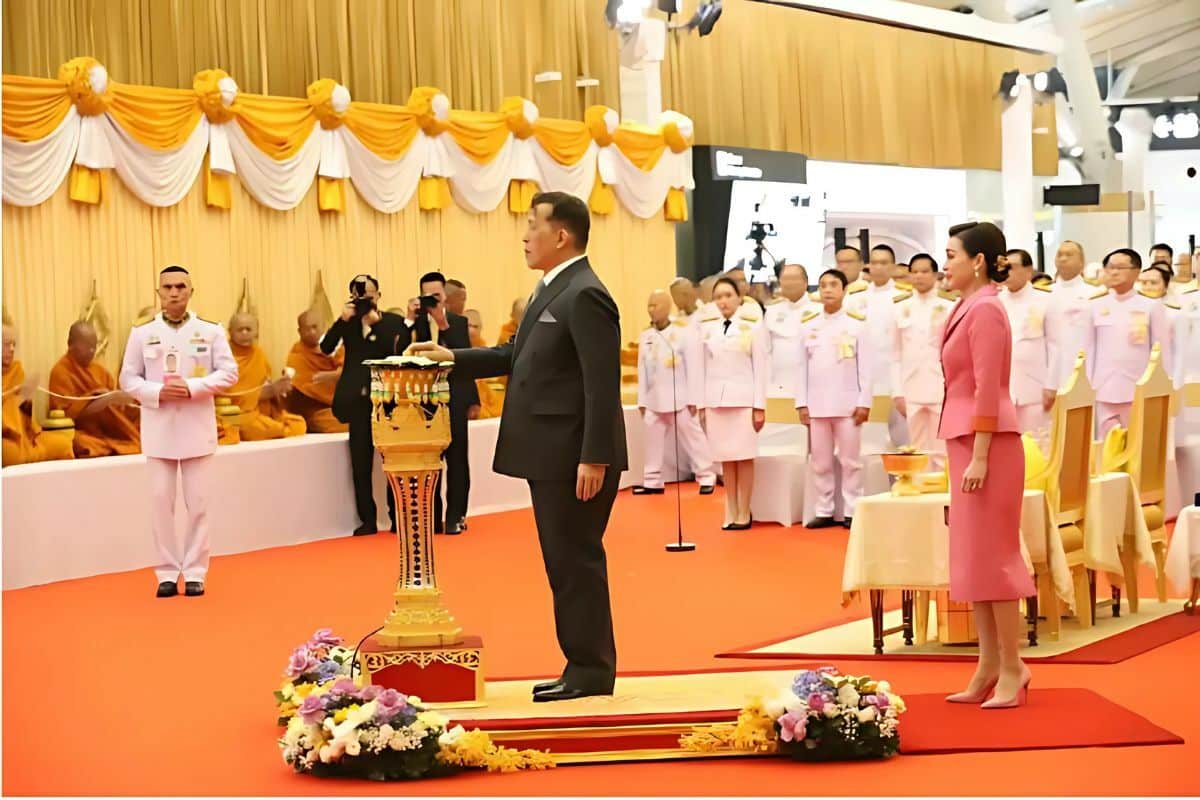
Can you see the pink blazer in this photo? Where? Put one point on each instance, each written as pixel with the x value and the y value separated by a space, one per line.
pixel 977 361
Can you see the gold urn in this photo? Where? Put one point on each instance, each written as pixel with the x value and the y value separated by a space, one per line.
pixel 410 422
pixel 904 465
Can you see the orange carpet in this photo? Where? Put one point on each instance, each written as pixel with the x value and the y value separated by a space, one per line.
pixel 108 690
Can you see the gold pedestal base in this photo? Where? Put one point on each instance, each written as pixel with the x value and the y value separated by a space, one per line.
pixel 904 486
pixel 419 619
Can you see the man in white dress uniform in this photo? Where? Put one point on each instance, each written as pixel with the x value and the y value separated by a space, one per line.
pixel 174 365
pixel 1034 348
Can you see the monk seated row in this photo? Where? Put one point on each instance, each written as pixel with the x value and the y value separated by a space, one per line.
pixel 24 440
pixel 315 376
pixel 260 398
pixel 106 421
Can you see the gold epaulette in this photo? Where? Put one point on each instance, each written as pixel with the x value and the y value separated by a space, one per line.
pixel 774 301
pixel 1090 281
pixel 680 321
pixel 900 297
pixel 856 287
pixel 1189 291
pixel 1172 305
pixel 1098 295
pixel 712 316
pixel 140 321
pixel 857 316
pixel 750 315
pixel 1041 288
pixel 905 285
pixel 209 321
pixel 810 316
pixel 946 294
pixel 1149 296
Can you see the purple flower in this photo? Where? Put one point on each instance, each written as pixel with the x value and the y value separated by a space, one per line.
pixel 369 692
pixel 881 700
pixel 343 686
pixel 312 710
pixel 323 637
pixel 792 727
pixel 328 670
pixel 302 661
pixel 388 704
pixel 817 701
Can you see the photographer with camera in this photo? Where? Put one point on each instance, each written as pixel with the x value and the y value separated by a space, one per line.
pixel 366 333
pixel 452 332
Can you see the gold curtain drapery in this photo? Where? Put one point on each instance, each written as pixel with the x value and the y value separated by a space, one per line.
pixel 123 243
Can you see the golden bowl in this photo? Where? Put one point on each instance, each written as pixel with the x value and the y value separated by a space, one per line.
pixel 903 466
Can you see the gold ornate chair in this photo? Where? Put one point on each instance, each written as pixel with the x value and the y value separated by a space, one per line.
pixel 1065 481
pixel 1145 459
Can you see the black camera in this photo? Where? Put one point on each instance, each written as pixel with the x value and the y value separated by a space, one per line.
pixel 428 303
pixel 363 305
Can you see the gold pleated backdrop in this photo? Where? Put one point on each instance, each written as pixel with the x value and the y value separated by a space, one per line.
pixel 839 89
pixel 53 253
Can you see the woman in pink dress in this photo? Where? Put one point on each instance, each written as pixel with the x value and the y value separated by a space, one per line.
pixel 987 465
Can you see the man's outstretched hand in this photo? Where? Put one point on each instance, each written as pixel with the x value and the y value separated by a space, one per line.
pixel 429 350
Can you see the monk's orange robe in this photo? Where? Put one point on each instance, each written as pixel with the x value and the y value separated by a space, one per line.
pixel 260 419
pixel 111 432
pixel 491 402
pixel 309 399
pixel 24 440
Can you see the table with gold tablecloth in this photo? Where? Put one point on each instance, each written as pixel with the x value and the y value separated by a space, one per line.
pixel 1183 555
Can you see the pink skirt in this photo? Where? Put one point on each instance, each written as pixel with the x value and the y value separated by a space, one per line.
pixel 731 434
pixel 985 525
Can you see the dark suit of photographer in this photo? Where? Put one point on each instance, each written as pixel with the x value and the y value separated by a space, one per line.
pixel 366 333
pixel 452 332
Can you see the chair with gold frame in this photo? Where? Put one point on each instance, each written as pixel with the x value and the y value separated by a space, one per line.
pixel 1145 459
pixel 1066 477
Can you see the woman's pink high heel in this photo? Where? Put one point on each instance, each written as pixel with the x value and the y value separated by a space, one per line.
pixel 1021 698
pixel 974 697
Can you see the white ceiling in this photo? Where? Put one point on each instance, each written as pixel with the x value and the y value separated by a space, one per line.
pixel 1157 40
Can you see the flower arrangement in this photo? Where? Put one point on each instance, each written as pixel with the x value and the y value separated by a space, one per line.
pixel 823 716
pixel 320 660
pixel 337 728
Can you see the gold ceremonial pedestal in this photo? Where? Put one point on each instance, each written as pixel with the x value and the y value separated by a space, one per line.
pixel 421 649
pixel 904 466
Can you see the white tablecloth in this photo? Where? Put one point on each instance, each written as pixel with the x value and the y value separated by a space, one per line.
pixel 1183 556
pixel 271 494
pixel 1114 513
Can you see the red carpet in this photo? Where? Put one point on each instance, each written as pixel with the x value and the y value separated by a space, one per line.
pixel 1112 650
pixel 173 697
pixel 1052 719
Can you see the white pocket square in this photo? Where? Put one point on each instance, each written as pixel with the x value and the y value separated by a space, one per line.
pixel 547 317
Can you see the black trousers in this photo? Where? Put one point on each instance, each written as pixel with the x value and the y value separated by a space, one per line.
pixel 362 469
pixel 457 474
pixel 571 534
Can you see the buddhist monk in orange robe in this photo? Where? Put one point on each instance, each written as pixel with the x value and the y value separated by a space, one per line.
pixel 24 440
pixel 509 329
pixel 316 375
pixel 107 425
pixel 491 402
pixel 259 397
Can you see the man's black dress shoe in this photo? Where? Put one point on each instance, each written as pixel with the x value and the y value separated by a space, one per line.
pixel 707 489
pixel 193 588
pixel 365 530
pixel 647 490
pixel 822 522
pixel 566 692
pixel 547 685
pixel 168 589
pixel 455 528
pixel 846 522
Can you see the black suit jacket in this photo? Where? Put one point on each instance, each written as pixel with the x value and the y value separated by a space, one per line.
pixel 463 391
pixel 353 387
pixel 563 402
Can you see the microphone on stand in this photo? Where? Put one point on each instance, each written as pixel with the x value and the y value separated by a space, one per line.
pixel 679 545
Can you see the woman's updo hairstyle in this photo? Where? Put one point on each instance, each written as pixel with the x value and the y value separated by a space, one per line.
pixel 985 238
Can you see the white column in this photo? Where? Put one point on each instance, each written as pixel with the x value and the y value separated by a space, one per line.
pixel 1016 170
pixel 643 47
pixel 1135 127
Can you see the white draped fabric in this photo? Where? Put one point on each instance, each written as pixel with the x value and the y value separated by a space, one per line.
pixel 33 171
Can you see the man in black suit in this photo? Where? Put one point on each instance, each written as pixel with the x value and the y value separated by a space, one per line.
pixel 563 431
pixel 452 332
pixel 366 333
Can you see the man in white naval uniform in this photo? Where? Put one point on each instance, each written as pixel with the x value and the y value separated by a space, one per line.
pixel 669 391
pixel 1034 346
pixel 1069 312
pixel 784 319
pixel 174 364
pixel 877 303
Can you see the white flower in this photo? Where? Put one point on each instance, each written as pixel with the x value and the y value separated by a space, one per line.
pixel 386 731
pixel 883 687
pixel 451 736
pixel 794 705
pixel 848 695
pixel 867 714
pixel 831 710
pixel 774 708
pixel 413 700
pixel 431 719
pixel 353 748
pixel 295 730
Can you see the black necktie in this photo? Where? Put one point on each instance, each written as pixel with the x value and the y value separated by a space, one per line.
pixel 728 322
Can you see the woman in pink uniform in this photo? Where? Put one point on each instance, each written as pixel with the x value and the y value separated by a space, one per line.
pixel 987 465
